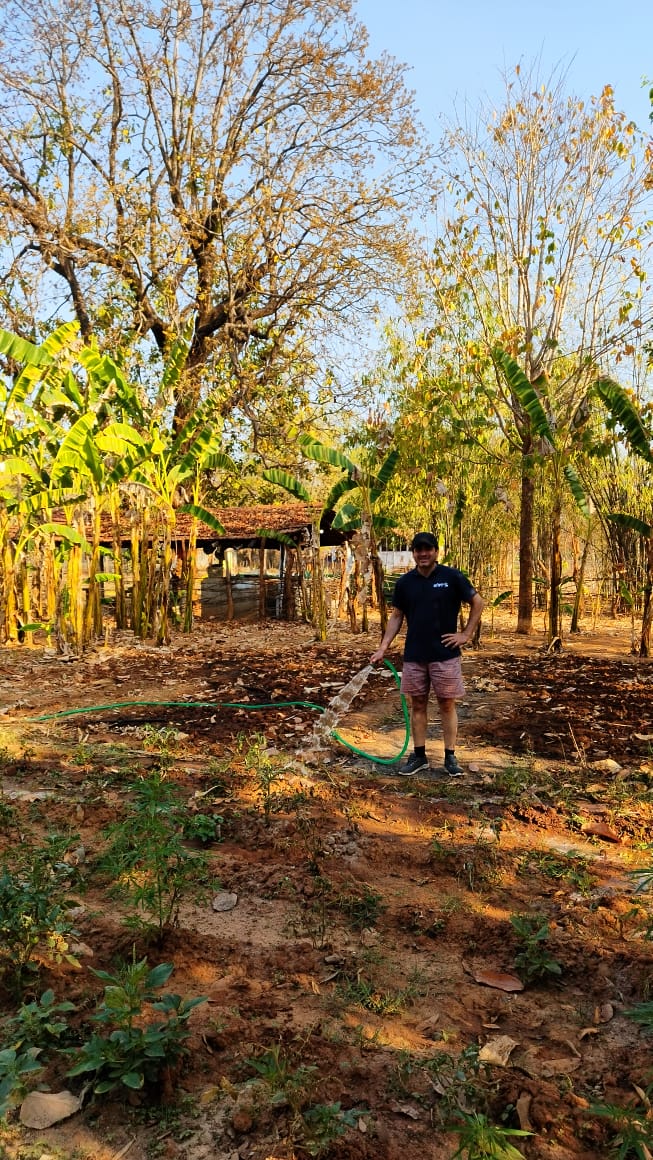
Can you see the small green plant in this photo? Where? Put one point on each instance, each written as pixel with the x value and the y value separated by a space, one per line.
pixel 362 906
pixel 15 1066
pixel 34 920
pixel 642 1013
pixel 533 961
pixel 286 1082
pixel 460 1081
pixel 135 1052
pixel 634 1128
pixel 315 1128
pixel 323 1124
pixel 39 1023
pixel 515 780
pixel 162 741
pixel 570 867
pixel 479 1139
pixel 8 815
pixel 367 994
pixel 203 828
pixel 259 762
pixel 147 859
pixel 83 755
pixel 479 864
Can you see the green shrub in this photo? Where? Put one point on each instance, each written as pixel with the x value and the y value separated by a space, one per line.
pixel 34 909
pixel 147 859
pixel 134 1052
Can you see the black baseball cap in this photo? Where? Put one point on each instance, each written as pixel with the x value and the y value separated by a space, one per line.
pixel 424 540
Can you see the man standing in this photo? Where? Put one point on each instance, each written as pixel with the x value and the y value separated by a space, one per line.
pixel 430 596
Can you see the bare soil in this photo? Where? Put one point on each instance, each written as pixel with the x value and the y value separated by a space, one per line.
pixel 371 934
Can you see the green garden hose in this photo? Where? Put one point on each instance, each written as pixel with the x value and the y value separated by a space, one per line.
pixel 248 705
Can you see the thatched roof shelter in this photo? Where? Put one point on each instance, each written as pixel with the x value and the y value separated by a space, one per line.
pixel 243 526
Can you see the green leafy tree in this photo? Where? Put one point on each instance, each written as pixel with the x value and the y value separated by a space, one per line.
pixel 639 438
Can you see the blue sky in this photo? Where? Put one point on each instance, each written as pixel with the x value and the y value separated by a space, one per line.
pixel 457 49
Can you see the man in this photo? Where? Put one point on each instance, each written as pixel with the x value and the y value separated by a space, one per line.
pixel 430 596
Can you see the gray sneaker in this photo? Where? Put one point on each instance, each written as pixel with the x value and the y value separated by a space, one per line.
pixel 414 764
pixel 451 766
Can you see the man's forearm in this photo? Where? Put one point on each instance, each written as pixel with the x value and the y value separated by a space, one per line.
pixel 394 624
pixel 475 613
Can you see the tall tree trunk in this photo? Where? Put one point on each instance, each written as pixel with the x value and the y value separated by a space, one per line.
pixel 261 581
pixel 287 556
pixel 525 608
pixel 377 568
pixel 647 613
pixel 352 594
pixel 25 598
pixel 575 616
pixel 228 583
pixel 190 569
pixel 119 582
pixel 163 610
pixel 93 608
pixel 555 620
pixel 319 601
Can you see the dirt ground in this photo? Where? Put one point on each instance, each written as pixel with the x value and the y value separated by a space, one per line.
pixel 366 990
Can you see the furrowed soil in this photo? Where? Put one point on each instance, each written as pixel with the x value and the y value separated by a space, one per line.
pixel 365 990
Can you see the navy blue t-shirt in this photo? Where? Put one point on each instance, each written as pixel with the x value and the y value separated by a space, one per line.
pixel 431 605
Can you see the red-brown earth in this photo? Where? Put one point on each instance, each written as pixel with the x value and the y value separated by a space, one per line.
pixel 358 970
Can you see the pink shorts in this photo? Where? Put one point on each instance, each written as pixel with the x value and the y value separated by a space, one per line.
pixel 444 677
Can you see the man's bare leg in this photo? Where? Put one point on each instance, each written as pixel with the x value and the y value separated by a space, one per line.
pixel 419 719
pixel 449 719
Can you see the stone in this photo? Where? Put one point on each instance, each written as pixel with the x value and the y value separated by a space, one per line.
pixel 43 1109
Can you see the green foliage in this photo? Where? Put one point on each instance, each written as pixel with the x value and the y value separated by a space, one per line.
pixel 14 1067
pixel 286 1082
pixel 135 1052
pixel 527 394
pixel 267 773
pixel 322 1124
pixel 363 906
pixel 34 919
pixel 479 1139
pixel 642 1013
pixel 147 859
pixel 625 414
pixel 203 828
pixel 315 1127
pixel 533 961
pixel 39 1023
pixel 457 1077
pixel 634 1129
pixel 371 997
pixel 571 868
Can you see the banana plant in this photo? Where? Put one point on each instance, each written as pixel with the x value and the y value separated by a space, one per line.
pixel 365 485
pixel 555 448
pixel 169 481
pixel 294 486
pixel 639 437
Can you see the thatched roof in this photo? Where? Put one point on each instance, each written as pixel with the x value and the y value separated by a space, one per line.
pixel 243 526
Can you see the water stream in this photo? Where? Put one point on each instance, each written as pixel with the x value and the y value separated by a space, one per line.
pixel 336 708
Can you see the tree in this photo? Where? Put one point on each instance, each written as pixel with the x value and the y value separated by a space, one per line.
pixel 637 433
pixel 66 442
pixel 543 246
pixel 239 164
pixel 558 438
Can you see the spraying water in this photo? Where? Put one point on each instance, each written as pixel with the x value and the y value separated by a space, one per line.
pixel 337 707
